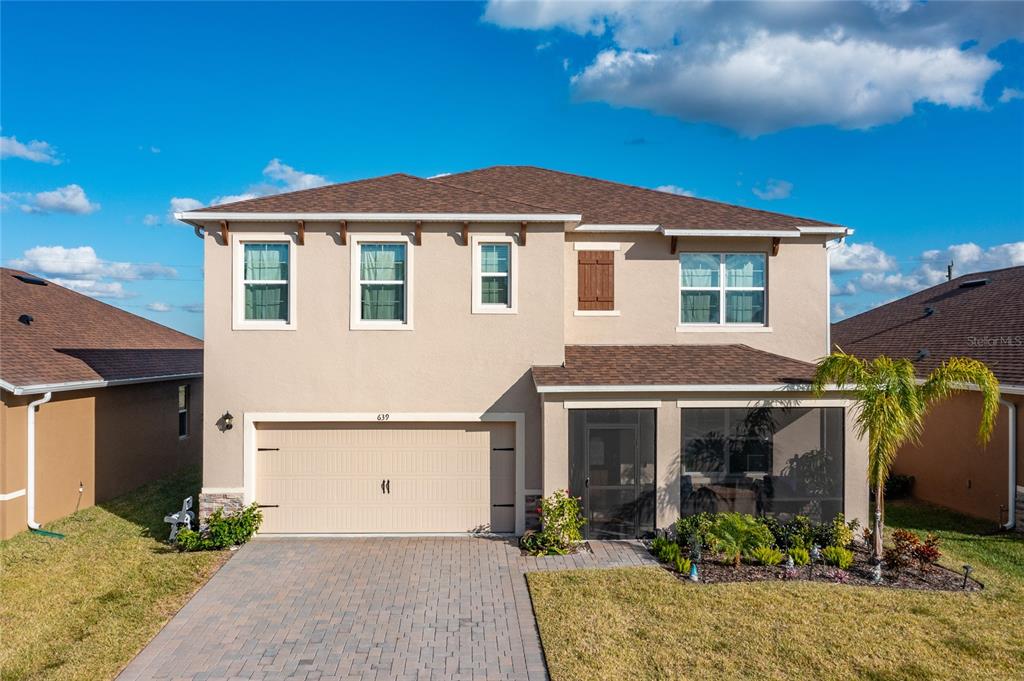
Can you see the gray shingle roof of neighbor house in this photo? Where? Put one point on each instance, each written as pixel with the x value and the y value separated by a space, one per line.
pixel 671 365
pixel 72 338
pixel 979 315
pixel 522 190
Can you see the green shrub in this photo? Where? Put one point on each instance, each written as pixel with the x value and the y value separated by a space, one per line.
pixel 670 553
pixel 659 543
pixel 222 531
pixel 837 556
pixel 766 555
pixel 698 525
pixel 561 525
pixel 797 532
pixel 682 565
pixel 800 556
pixel 734 534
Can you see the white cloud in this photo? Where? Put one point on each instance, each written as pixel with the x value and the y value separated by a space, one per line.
pixel 158 307
pixel 95 289
pixel 879 282
pixel 82 263
pixel 67 199
pixel 674 189
pixel 291 178
pixel 196 308
pixel 774 190
pixel 279 177
pixel 970 257
pixel 151 220
pixel 434 177
pixel 1009 94
pixel 838 311
pixel 846 288
pixel 861 257
pixel 35 150
pixel 154 150
pixel 762 67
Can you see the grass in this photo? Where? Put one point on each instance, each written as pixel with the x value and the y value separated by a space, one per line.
pixel 642 623
pixel 82 607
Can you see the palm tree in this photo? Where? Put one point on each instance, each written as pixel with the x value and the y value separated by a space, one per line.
pixel 891 404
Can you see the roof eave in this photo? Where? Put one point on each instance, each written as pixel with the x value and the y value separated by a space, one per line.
pixel 193 217
pixel 692 388
pixel 40 388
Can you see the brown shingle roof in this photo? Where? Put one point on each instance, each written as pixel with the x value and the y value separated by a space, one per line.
pixel 75 338
pixel 520 190
pixel 593 365
pixel 983 322
pixel 398 193
pixel 611 203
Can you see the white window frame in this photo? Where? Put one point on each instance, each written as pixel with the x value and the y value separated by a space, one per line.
pixel 356 322
pixel 722 325
pixel 238 320
pixel 477 241
pixel 185 410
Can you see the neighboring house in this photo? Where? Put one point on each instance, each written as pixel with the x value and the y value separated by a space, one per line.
pixel 401 355
pixel 978 315
pixel 118 401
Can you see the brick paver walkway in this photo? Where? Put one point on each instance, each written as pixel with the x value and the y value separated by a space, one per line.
pixel 369 608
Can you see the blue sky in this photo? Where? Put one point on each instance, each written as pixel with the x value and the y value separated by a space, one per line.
pixel 901 120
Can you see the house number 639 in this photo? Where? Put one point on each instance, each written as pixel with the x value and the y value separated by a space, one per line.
pixel 383 417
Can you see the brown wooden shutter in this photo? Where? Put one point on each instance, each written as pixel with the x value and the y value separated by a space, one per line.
pixel 596 280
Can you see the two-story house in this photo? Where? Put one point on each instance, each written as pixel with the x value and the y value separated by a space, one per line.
pixel 408 355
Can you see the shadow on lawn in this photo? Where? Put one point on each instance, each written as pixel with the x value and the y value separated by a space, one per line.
pixel 146 506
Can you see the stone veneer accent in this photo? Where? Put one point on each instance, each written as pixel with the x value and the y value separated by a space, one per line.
pixel 210 502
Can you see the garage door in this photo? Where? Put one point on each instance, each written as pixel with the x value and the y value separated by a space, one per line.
pixel 386 478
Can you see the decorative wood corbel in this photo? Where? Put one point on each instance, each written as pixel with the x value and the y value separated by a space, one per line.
pixel 465 233
pixel 673 244
pixel 776 241
pixel 419 233
pixel 225 234
pixel 343 233
pixel 522 233
pixel 302 233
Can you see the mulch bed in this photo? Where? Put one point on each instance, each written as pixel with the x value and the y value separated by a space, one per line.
pixel 938 578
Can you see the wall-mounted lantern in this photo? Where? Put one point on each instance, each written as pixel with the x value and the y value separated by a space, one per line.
pixel 229 420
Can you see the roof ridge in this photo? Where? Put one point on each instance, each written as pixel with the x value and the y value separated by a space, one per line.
pixel 309 189
pixel 437 180
pixel 655 191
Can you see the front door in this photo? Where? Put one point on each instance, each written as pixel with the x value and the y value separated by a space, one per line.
pixel 612 467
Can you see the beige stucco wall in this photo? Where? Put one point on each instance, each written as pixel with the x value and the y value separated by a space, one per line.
pixel 107 441
pixel 647 295
pixel 669 436
pixel 950 467
pixel 453 361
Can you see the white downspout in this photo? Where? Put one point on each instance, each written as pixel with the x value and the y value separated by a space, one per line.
pixel 30 488
pixel 1011 511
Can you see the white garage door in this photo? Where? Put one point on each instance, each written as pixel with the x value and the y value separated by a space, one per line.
pixel 386 478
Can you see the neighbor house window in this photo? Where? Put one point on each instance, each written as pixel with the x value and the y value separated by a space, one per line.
pixel 494 274
pixel 381 288
pixel 781 461
pixel 183 399
pixel 722 288
pixel 264 284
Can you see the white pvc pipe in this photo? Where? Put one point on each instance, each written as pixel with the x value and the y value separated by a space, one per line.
pixel 30 488
pixel 1011 511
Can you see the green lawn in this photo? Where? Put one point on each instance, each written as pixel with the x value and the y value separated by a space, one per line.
pixel 82 607
pixel 642 623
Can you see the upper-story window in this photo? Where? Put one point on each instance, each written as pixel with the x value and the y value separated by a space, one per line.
pixel 265 284
pixel 722 288
pixel 382 288
pixel 183 400
pixel 494 275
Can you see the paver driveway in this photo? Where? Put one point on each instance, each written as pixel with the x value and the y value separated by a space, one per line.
pixel 368 608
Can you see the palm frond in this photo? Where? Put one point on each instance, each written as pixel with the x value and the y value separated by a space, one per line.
pixel 960 373
pixel 839 369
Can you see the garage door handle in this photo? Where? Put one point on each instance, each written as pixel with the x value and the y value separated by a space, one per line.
pixel 389 487
pixel 382 487
pixel 268 506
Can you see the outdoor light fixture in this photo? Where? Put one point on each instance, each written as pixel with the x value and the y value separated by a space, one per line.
pixel 967 574
pixel 876 574
pixel 693 573
pixel 229 420
pixel 694 548
pixel 789 562
pixel 815 555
